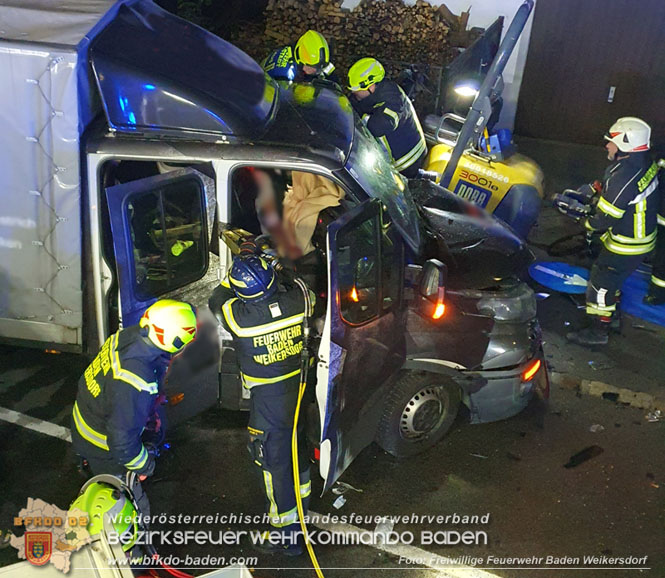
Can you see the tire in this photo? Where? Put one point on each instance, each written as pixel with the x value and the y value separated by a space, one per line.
pixel 419 410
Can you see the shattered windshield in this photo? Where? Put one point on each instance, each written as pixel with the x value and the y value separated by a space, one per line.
pixel 370 167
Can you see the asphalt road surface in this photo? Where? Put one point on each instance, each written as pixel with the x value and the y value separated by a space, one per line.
pixel 513 471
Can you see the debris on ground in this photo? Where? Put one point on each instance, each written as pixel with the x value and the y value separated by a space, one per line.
pixel 481 456
pixel 513 456
pixel 383 529
pixel 600 366
pixel 596 428
pixel 542 296
pixel 583 456
pixel 339 502
pixel 5 538
pixel 342 487
pixel 652 480
pixel 654 416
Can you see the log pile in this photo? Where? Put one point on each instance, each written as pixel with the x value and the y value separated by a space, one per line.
pixel 386 29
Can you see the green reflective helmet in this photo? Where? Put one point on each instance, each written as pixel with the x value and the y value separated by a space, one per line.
pixel 98 498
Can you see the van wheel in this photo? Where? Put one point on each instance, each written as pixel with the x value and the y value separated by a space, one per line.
pixel 419 410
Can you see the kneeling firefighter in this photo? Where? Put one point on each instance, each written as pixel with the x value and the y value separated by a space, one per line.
pixel 626 215
pixel 119 391
pixel 265 318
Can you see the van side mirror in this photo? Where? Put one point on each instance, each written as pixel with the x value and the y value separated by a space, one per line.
pixel 432 289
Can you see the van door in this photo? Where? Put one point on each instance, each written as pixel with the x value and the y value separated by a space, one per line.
pixel 160 235
pixel 363 343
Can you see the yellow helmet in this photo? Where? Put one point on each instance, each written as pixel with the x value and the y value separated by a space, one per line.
pixel 171 324
pixel 365 73
pixel 312 50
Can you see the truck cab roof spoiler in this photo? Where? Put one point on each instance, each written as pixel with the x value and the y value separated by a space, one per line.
pixel 159 74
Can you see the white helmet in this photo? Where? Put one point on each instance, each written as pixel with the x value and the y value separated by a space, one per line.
pixel 630 134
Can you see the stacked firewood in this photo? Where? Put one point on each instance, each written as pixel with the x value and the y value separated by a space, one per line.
pixel 386 29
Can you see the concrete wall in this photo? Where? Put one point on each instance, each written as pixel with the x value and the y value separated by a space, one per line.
pixel 483 13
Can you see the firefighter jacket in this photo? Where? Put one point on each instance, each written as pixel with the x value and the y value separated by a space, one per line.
pixel 268 334
pixel 391 118
pixel 116 396
pixel 628 206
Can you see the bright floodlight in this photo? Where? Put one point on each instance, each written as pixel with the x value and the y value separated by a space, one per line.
pixel 466 90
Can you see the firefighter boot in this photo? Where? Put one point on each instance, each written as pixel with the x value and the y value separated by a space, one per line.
pixel 615 322
pixel 597 333
pixel 278 543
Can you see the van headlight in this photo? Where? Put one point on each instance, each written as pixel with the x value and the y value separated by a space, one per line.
pixel 517 305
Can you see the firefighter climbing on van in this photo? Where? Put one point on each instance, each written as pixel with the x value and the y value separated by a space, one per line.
pixel 626 216
pixel 265 318
pixel 308 60
pixel 117 393
pixel 389 115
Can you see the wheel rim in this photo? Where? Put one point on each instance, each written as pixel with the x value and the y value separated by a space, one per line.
pixel 423 413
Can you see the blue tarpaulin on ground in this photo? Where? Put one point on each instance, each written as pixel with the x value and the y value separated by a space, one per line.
pixel 633 291
pixel 565 278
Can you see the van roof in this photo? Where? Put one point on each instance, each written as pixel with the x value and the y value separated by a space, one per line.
pixel 63 22
pixel 204 88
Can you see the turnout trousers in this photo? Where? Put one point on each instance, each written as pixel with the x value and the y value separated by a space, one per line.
pixel 272 409
pixel 657 287
pixel 608 274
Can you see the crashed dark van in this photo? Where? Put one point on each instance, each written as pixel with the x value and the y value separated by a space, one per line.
pixel 424 306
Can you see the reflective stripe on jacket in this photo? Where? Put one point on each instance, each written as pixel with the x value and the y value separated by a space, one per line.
pixel 391 118
pixel 267 335
pixel 115 398
pixel 627 210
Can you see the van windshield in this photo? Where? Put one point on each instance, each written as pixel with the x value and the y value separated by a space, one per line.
pixel 369 165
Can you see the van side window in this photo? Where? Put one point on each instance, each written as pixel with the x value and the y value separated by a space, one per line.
pixel 169 238
pixel 358 271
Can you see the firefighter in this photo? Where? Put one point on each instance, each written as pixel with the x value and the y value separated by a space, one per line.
pixel 389 115
pixel 656 294
pixel 626 216
pixel 118 392
pixel 308 60
pixel 266 319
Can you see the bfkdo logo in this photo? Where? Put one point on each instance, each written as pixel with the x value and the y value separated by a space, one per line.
pixel 51 535
pixel 38 547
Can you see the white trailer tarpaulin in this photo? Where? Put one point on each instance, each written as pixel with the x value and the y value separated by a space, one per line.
pixel 40 196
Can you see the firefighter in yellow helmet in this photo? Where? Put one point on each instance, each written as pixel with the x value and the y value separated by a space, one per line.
pixel 118 392
pixel 308 60
pixel 388 114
